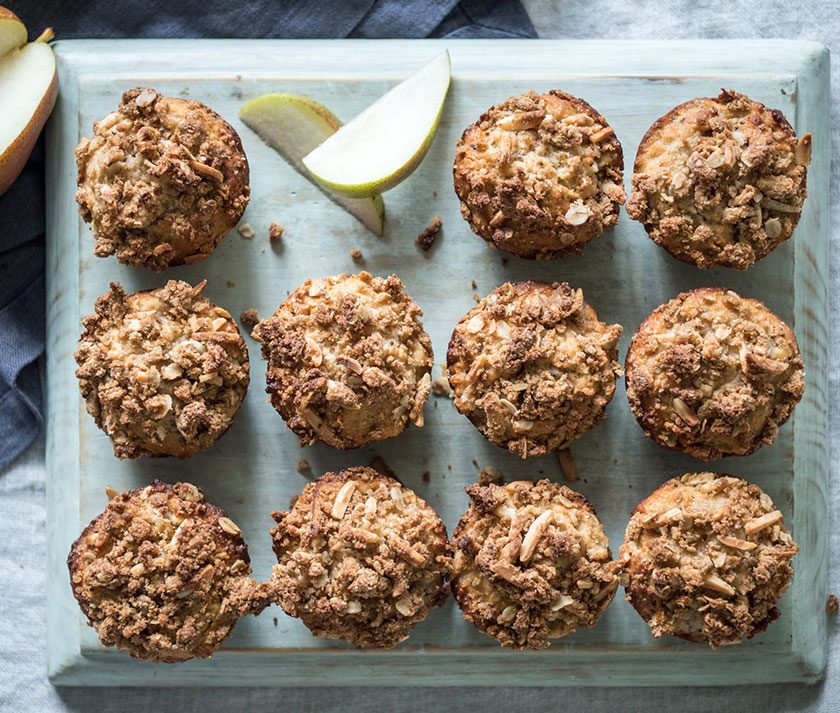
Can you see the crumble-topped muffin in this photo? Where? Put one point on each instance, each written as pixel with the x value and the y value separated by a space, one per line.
pixel 705 558
pixel 532 367
pixel 163 574
pixel 360 558
pixel 720 182
pixel 162 371
pixel 540 175
pixel 348 360
pixel 162 180
pixel 713 374
pixel 532 562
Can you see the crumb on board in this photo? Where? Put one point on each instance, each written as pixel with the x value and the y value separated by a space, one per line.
pixel 488 474
pixel 246 231
pixel 568 465
pixel 440 386
pixel 249 318
pixel 427 476
pixel 275 621
pixel 475 462
pixel 429 234
pixel 303 466
pixel 275 231
pixel 504 261
pixel 356 254
pixel 231 283
pixel 473 284
pixel 831 604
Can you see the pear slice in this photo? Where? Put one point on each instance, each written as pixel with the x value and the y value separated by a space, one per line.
pixel 293 125
pixel 28 89
pixel 388 140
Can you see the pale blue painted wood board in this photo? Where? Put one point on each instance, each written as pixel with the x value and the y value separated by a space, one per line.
pixel 252 470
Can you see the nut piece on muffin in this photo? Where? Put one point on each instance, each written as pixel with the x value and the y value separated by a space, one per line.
pixel 163 372
pixel 713 374
pixel 532 562
pixel 163 574
pixel 720 182
pixel 540 175
pixel 348 360
pixel 532 367
pixel 161 181
pixel 705 558
pixel 360 558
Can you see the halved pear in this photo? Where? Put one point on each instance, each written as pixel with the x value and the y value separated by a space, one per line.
pixel 28 89
pixel 294 125
pixel 385 143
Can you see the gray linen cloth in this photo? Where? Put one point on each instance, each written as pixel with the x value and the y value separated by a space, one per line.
pixel 23 683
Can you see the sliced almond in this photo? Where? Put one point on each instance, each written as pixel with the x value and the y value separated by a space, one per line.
pixel 759 523
pixel 535 532
pixel 577 214
pixel 773 228
pixel 342 500
pixel 601 134
pixel 403 606
pixel 521 120
pixel 508 614
pixel 719 585
pixel 802 152
pixel 229 526
pixel 685 412
pixel 736 543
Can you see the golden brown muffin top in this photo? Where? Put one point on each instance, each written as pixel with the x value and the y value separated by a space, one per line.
pixel 361 558
pixel 712 374
pixel 163 574
pixel 705 558
pixel 532 367
pixel 348 360
pixel 162 180
pixel 539 175
pixel 720 181
pixel 532 562
pixel 162 371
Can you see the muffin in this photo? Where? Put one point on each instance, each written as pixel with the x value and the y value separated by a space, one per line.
pixel 705 558
pixel 720 182
pixel 161 181
pixel 163 574
pixel 532 367
pixel 713 374
pixel 539 175
pixel 360 558
pixel 348 360
pixel 163 372
pixel 532 562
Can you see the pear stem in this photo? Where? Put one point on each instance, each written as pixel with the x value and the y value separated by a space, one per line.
pixel 46 36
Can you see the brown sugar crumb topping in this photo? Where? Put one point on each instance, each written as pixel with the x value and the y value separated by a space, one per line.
pixel 163 574
pixel 705 558
pixel 532 367
pixel 429 234
pixel 720 181
pixel 360 558
pixel 163 372
pixel 532 562
pixel 711 373
pixel 348 360
pixel 539 175
pixel 161 180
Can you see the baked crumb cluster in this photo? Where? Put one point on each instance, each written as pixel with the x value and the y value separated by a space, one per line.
pixel 360 558
pixel 705 558
pixel 540 175
pixel 163 372
pixel 162 180
pixel 532 367
pixel 163 574
pixel 720 181
pixel 712 374
pixel 532 562
pixel 348 360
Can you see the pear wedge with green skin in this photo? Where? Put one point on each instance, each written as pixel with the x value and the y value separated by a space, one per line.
pixel 28 89
pixel 384 144
pixel 294 125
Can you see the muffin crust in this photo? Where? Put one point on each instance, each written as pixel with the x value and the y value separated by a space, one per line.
pixel 163 574
pixel 720 182
pixel 348 360
pixel 539 175
pixel 713 374
pixel 162 180
pixel 705 558
pixel 532 367
pixel 532 562
pixel 163 372
pixel 360 558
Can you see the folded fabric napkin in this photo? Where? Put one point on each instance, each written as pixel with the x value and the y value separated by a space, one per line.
pixel 22 304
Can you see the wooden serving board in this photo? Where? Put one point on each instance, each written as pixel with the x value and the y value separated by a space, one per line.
pixel 252 470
